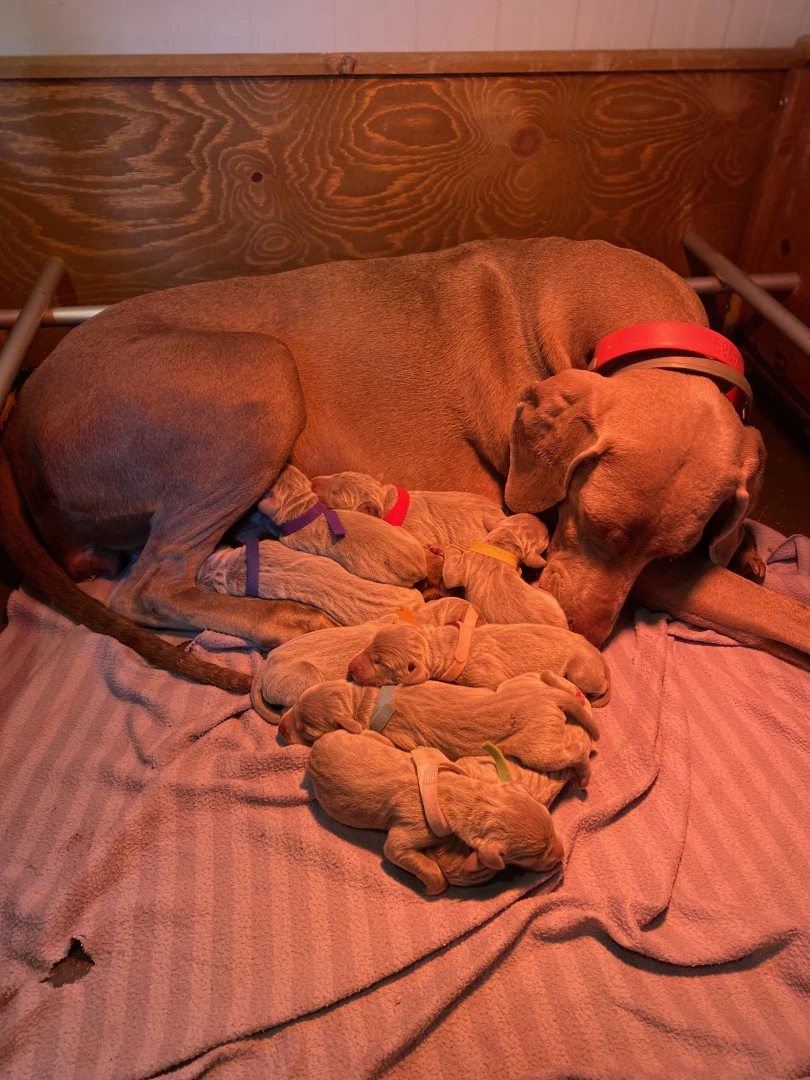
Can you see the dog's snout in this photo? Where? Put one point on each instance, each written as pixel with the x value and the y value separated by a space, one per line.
pixel 316 483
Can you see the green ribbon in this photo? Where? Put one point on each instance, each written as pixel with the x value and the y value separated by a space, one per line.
pixel 501 764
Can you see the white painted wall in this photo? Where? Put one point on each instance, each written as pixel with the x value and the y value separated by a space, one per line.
pixel 225 26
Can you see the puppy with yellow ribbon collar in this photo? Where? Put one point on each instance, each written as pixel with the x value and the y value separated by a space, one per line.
pixel 489 573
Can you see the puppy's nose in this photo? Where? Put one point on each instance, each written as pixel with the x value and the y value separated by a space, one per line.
pixel 316 483
pixel 356 667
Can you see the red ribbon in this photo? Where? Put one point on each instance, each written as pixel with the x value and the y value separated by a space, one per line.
pixel 673 338
pixel 396 515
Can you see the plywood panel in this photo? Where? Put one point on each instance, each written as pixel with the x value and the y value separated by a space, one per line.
pixel 142 184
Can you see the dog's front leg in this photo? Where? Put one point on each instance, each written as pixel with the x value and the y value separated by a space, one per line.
pixel 400 851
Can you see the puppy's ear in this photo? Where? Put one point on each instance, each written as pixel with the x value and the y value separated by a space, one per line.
pixel 451 569
pixel 415 674
pixel 534 559
pixel 491 855
pixel 725 530
pixel 554 432
pixel 371 508
pixel 354 727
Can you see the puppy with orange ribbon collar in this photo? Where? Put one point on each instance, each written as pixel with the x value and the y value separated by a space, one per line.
pixel 485 656
pixel 324 655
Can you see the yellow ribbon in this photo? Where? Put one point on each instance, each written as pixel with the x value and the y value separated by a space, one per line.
pixel 495 553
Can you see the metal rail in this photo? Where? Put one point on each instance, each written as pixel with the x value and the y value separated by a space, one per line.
pixel 703 286
pixel 772 283
pixel 27 323
pixel 742 284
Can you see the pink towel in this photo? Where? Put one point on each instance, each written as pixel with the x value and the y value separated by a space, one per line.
pixel 236 931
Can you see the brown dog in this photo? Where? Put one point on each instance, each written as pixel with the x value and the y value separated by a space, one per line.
pixel 405 654
pixel 433 517
pixel 525 718
pixel 324 656
pixel 160 422
pixel 496 587
pixel 297 575
pixel 369 548
pixel 365 782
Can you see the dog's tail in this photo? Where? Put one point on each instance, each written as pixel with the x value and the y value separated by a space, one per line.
pixel 266 711
pixel 698 592
pixel 18 538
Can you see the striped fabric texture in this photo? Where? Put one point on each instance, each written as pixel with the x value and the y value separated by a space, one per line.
pixel 238 932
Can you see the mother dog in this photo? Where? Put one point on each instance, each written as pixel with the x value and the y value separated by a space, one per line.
pixel 159 423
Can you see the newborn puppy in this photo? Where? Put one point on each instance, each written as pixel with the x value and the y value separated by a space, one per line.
pixel 544 787
pixel 365 782
pixel 496 587
pixel 369 549
pixel 405 654
pixel 525 718
pixel 324 655
pixel 433 517
pixel 310 579
pixel 458 862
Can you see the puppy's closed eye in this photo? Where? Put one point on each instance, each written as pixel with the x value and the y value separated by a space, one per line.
pixel 411 666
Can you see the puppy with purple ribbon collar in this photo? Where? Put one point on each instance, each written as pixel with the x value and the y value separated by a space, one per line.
pixel 361 544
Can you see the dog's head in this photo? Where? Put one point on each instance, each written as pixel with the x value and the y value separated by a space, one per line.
pixel 352 491
pixel 643 465
pixel 396 654
pixel 290 488
pixel 515 830
pixel 319 710
pixel 524 535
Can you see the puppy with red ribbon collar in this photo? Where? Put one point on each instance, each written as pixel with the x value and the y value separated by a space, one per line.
pixel 433 517
pixel 361 544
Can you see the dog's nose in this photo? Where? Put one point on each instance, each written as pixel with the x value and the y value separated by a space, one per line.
pixel 316 483
pixel 356 669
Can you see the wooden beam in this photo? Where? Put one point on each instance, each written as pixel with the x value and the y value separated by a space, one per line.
pixel 404 63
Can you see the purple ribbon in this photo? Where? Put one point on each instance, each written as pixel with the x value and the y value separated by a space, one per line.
pixel 288 527
pixel 252 566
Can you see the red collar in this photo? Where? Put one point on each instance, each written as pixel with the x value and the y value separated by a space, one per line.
pixel 396 515
pixel 678 346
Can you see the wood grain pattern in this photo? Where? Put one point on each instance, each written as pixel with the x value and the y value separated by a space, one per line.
pixel 779 234
pixel 143 184
pixel 501 62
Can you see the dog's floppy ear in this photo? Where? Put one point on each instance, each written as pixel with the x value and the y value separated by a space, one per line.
pixel 491 854
pixel 724 531
pixel 553 433
pixel 371 508
pixel 354 727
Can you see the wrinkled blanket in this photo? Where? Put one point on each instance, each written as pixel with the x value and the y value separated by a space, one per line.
pixel 236 931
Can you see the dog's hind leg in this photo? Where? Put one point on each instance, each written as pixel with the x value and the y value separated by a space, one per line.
pixel 161 591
